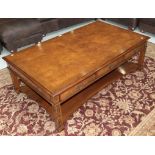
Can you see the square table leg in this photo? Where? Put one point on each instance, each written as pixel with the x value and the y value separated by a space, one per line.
pixel 16 81
pixel 141 57
pixel 57 114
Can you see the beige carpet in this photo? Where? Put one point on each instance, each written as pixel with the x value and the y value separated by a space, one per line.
pixel 146 127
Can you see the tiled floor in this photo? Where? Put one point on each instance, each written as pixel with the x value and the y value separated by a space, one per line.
pixel 54 34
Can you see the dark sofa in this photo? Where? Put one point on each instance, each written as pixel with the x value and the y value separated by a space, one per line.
pixel 1 47
pixel 15 33
pixel 144 24
pixel 147 25
pixel 18 32
pixel 130 22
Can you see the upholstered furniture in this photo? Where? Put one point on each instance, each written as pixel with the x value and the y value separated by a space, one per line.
pixel 16 33
pixel 147 25
pixel 130 22
pixel 48 24
pixel 65 22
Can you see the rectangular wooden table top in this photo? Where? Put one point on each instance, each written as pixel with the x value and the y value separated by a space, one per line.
pixel 64 61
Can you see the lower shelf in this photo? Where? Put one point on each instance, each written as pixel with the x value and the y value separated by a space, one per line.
pixel 71 105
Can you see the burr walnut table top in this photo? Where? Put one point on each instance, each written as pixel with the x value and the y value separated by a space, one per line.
pixel 59 64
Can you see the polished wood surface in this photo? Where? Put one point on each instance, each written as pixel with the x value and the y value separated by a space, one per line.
pixel 75 55
pixel 64 66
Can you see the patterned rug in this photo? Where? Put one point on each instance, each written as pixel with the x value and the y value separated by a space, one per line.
pixel 125 107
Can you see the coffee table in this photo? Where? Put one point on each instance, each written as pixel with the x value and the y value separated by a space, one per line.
pixel 64 72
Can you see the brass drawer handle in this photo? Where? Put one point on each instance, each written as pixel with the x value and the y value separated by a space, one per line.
pixel 79 87
pixel 111 67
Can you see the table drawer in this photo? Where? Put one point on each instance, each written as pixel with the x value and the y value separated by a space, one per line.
pixel 132 52
pixel 116 63
pixel 110 67
pixel 77 88
pixel 102 72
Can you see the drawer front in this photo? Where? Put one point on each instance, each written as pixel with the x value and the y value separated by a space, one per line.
pixel 77 88
pixel 105 70
pixel 117 63
pixel 102 72
pixel 133 52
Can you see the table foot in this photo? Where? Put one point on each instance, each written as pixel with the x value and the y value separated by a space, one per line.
pixel 16 81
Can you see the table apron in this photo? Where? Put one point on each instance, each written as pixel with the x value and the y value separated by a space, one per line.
pixel 43 93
